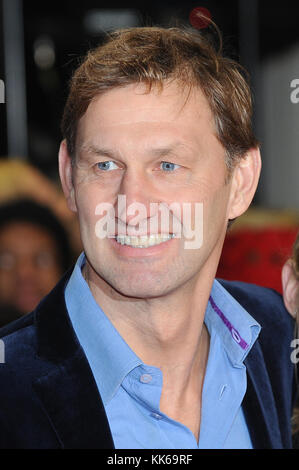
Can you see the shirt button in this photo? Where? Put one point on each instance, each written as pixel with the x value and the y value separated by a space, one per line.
pixel 145 378
pixel 156 416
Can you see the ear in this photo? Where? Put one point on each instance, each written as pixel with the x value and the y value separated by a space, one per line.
pixel 290 287
pixel 66 176
pixel 244 182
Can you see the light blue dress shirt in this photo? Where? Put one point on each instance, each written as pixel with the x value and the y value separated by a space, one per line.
pixel 131 390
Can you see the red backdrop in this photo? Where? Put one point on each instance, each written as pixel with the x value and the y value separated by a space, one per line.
pixel 257 255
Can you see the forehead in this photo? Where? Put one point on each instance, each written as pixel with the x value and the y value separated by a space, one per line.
pixel 132 105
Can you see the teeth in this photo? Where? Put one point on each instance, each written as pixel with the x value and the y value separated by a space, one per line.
pixel 143 241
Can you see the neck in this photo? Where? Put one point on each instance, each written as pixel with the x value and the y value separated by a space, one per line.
pixel 166 332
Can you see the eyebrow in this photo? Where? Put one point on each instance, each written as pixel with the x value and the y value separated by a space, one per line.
pixel 106 152
pixel 93 149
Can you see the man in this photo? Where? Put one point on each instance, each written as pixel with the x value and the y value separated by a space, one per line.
pixel 139 346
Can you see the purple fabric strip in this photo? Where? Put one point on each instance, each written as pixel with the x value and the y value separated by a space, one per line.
pixel 235 334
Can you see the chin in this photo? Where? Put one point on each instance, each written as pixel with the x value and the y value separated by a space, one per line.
pixel 139 291
pixel 139 287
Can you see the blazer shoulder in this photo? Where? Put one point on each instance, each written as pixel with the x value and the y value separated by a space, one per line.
pixel 19 345
pixel 17 325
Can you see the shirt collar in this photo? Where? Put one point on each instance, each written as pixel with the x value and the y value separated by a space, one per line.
pixel 113 359
pixel 105 349
pixel 237 329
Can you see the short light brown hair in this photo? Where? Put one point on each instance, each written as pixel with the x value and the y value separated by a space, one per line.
pixel 154 55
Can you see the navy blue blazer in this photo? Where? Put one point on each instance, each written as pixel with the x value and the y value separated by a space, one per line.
pixel 49 398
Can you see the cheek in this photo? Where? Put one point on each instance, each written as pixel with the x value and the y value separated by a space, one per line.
pixel 215 214
pixel 87 221
pixel 86 203
pixel 213 196
pixel 205 213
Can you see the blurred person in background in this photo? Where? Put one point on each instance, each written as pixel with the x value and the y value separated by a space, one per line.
pixel 34 253
pixel 290 281
pixel 290 284
pixel 21 180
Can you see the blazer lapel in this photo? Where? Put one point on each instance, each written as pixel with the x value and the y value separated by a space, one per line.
pixel 66 386
pixel 259 405
pixel 70 398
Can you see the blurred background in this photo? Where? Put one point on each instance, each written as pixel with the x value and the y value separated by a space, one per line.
pixel 41 44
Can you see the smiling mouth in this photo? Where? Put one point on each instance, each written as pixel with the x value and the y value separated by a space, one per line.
pixel 143 241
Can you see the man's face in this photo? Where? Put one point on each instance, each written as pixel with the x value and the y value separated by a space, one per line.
pixel 157 147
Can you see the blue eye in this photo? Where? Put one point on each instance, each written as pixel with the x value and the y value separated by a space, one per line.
pixel 107 166
pixel 168 166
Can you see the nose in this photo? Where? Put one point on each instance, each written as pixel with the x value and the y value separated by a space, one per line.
pixel 136 193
